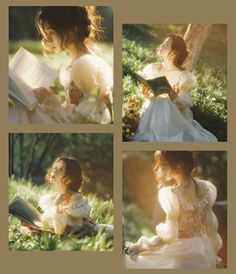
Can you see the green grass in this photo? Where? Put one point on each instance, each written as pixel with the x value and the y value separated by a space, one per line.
pixel 135 223
pixel 102 212
pixel 210 93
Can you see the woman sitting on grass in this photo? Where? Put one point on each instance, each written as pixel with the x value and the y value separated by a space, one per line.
pixel 188 238
pixel 168 117
pixel 68 211
pixel 87 79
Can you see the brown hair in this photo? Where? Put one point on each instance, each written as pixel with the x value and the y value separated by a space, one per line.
pixel 72 177
pixel 179 51
pixel 173 160
pixel 84 22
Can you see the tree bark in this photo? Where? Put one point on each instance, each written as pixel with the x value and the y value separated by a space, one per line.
pixel 48 141
pixel 36 140
pixel 21 148
pixel 194 37
pixel 11 154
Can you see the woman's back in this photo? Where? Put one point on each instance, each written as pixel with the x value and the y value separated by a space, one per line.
pixel 194 202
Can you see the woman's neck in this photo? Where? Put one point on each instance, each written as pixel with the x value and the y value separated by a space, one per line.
pixel 75 51
pixel 183 181
pixel 168 65
pixel 67 193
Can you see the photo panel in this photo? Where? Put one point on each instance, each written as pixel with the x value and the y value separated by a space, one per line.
pixel 60 65
pixel 60 192
pixel 175 209
pixel 174 82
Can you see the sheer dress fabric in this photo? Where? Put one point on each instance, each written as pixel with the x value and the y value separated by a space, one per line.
pixel 165 120
pixel 189 235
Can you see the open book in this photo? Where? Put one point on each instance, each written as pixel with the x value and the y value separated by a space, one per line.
pixel 26 212
pixel 26 72
pixel 158 85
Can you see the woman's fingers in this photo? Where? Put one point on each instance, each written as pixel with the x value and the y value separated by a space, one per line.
pixel 146 91
pixel 172 94
pixel 41 93
pixel 175 88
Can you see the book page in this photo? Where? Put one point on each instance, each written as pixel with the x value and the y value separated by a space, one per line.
pixel 30 70
pixel 21 91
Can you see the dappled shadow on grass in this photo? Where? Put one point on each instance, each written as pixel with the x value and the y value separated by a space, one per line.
pixel 210 121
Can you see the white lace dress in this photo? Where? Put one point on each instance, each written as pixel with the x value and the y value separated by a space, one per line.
pixel 189 237
pixel 88 82
pixel 72 214
pixel 167 121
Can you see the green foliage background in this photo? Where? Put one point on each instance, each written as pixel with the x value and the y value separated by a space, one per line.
pixel 27 171
pixel 210 93
pixel 94 152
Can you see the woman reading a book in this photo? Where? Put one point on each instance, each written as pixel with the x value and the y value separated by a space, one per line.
pixel 67 210
pixel 87 79
pixel 167 117
pixel 188 238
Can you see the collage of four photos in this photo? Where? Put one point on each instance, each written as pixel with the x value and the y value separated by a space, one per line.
pixel 61 185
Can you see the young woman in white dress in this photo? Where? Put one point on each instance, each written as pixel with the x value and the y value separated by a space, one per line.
pixel 168 117
pixel 87 79
pixel 67 210
pixel 188 238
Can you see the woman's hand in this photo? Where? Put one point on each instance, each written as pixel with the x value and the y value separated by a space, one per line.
pixel 132 250
pixel 48 100
pixel 146 92
pixel 41 94
pixel 173 93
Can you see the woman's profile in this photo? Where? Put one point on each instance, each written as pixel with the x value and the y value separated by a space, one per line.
pixel 87 79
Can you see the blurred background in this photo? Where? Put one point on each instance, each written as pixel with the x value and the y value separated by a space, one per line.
pixel 32 154
pixel 142 211
pixel 209 94
pixel 23 33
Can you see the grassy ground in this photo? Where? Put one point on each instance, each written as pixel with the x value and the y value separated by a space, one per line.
pixel 210 93
pixel 102 212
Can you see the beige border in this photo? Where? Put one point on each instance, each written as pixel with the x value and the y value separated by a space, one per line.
pixel 131 11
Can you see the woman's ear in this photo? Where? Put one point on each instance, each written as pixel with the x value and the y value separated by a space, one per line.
pixel 72 35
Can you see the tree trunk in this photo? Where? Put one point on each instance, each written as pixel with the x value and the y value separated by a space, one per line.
pixel 48 141
pixel 36 139
pixel 21 148
pixel 11 154
pixel 194 37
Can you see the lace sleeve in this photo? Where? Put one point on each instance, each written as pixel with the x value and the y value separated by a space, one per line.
pixel 211 219
pixel 92 75
pixel 78 208
pixel 168 231
pixel 186 82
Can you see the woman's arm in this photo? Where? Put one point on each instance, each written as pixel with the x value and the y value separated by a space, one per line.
pixel 77 208
pixel 211 219
pixel 168 231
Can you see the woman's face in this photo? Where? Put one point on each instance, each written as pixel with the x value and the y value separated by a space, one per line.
pixel 164 171
pixel 57 172
pixel 52 39
pixel 165 48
